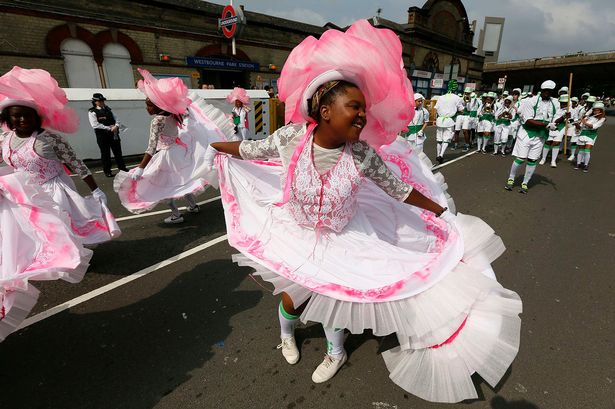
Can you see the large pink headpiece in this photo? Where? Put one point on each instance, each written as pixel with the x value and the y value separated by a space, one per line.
pixel 369 57
pixel 168 94
pixel 37 89
pixel 238 94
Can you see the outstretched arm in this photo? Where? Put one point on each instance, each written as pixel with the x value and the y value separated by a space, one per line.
pixel 232 148
pixel 416 198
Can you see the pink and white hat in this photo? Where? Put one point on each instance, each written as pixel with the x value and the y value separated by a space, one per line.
pixel 168 94
pixel 38 90
pixel 366 56
pixel 238 94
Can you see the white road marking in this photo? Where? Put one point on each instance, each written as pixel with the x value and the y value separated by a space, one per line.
pixel 118 283
pixel 137 216
pixel 454 160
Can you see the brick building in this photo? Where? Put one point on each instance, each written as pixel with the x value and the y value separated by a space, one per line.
pixel 87 44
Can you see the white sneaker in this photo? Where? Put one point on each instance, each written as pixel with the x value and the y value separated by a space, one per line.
pixel 570 158
pixel 328 368
pixel 553 164
pixel 172 219
pixel 289 350
pixel 194 209
pixel 542 162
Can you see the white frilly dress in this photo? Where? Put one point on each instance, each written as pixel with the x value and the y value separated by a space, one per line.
pixel 177 167
pixel 35 244
pixel 89 218
pixel 345 240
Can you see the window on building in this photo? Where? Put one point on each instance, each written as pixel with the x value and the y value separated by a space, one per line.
pixel 117 68
pixel 79 65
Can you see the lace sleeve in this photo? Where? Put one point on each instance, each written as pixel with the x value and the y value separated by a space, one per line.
pixel 270 147
pixel 2 139
pixel 259 150
pixel 66 154
pixel 155 130
pixel 371 165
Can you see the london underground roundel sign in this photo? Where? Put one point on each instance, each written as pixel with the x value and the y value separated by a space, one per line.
pixel 228 22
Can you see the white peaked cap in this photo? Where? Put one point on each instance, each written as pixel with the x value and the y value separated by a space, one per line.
pixel 418 96
pixel 548 85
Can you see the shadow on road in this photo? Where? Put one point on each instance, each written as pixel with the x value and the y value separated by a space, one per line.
pixel 115 256
pixel 127 357
pixel 500 403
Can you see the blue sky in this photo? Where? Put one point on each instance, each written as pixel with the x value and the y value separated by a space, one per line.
pixel 533 28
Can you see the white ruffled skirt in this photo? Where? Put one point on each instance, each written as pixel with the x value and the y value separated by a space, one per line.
pixel 393 269
pixel 35 244
pixel 179 169
pixel 89 218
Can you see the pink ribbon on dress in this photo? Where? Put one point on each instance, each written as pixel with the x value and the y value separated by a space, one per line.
pixel 293 164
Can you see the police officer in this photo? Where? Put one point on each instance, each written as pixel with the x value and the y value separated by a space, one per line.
pixel 107 132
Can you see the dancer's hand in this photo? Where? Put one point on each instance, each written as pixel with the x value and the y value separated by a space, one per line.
pixel 420 134
pixel 137 173
pixel 210 156
pixel 100 195
pixel 552 126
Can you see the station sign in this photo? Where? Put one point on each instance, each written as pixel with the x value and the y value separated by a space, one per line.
pixel 231 22
pixel 222 64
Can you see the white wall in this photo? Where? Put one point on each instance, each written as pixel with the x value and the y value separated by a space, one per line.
pixel 128 106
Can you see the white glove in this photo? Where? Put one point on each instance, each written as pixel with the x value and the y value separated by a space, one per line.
pixel 100 195
pixel 419 134
pixel 210 156
pixel 137 173
pixel 552 126
pixel 448 216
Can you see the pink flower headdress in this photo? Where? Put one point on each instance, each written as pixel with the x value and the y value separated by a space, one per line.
pixel 38 90
pixel 369 57
pixel 238 94
pixel 168 94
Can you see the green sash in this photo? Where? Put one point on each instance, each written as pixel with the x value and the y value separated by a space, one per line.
pixel 487 117
pixel 534 131
pixel 591 133
pixel 473 114
pixel 412 129
pixel 502 121
pixel 561 126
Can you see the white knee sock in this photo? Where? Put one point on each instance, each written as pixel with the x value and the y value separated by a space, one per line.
pixel 573 150
pixel 479 142
pixel 174 210
pixel 438 147
pixel 545 152
pixel 287 323
pixel 190 199
pixel 554 153
pixel 335 342
pixel 514 168
pixel 580 157
pixel 587 155
pixel 443 149
pixel 530 167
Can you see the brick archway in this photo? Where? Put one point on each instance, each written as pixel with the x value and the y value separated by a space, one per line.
pixel 113 36
pixel 55 37
pixel 431 62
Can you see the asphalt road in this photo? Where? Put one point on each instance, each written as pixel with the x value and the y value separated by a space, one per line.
pixel 201 333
